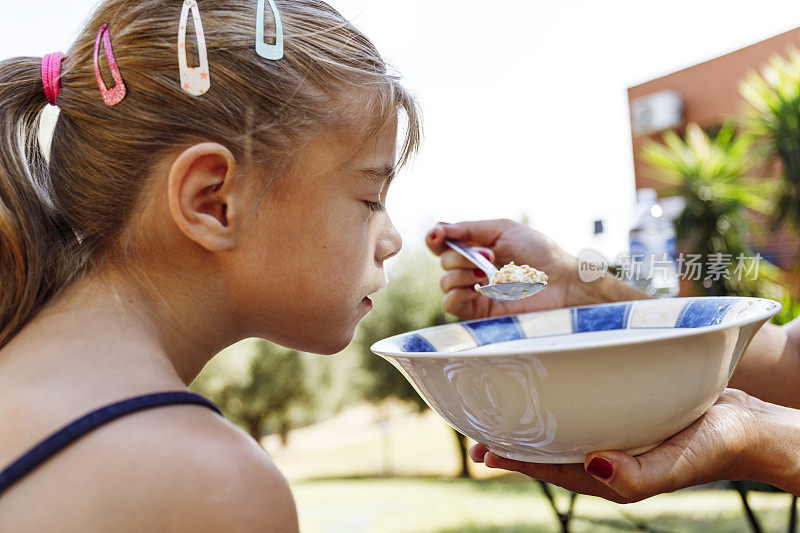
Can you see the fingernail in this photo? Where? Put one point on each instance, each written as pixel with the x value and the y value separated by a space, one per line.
pixel 478 273
pixel 485 254
pixel 445 223
pixel 484 460
pixel 601 468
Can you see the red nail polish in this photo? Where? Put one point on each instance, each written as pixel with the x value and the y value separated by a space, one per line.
pixel 485 254
pixel 478 273
pixel 602 468
pixel 432 235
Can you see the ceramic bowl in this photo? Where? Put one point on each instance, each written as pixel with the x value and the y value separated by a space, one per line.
pixel 553 386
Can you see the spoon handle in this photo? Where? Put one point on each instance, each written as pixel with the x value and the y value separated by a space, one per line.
pixel 477 259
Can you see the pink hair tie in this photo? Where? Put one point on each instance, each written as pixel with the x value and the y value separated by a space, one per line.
pixel 51 76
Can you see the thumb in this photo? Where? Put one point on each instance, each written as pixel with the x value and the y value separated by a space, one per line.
pixel 480 233
pixel 637 478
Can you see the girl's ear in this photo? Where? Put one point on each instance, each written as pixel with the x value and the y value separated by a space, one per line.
pixel 200 193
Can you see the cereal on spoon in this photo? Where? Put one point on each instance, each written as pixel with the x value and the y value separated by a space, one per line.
pixel 519 273
pixel 512 273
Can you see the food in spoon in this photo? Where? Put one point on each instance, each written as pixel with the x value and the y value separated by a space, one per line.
pixel 519 273
pixel 512 273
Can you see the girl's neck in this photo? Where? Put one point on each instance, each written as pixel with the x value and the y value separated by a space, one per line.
pixel 103 333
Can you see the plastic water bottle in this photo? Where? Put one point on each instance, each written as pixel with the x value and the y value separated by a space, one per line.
pixel 654 269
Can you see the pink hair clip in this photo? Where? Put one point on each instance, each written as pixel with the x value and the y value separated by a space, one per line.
pixel 195 81
pixel 114 95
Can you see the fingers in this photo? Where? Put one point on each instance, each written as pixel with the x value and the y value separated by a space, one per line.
pixel 708 450
pixel 451 259
pixel 458 281
pixel 435 239
pixel 616 476
pixel 481 233
pixel 705 451
pixel 478 451
pixel 570 476
pixel 637 478
pixel 461 302
pixel 461 279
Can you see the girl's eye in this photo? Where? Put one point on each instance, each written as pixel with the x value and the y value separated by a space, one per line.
pixel 375 206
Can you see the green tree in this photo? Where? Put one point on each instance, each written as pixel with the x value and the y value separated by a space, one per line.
pixel 772 118
pixel 261 386
pixel 710 175
pixel 411 301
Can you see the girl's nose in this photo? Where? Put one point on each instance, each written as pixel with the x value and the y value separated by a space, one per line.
pixel 389 244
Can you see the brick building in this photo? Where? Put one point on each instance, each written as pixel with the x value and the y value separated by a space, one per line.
pixel 707 94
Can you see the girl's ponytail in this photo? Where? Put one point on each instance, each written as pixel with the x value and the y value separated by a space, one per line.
pixel 87 209
pixel 37 249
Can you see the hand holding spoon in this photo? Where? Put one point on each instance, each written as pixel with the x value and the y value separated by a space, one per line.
pixel 504 292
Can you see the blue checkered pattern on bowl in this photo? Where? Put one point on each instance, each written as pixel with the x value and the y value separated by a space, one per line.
pixel 667 313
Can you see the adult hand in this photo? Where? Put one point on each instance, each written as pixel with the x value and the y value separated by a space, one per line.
pixel 729 442
pixel 500 241
pixel 503 241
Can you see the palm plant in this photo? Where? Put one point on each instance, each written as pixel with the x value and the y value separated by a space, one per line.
pixel 709 173
pixel 772 117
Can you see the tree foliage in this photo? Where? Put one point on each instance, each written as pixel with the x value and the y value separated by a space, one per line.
pixel 772 118
pixel 710 174
pixel 412 300
pixel 262 388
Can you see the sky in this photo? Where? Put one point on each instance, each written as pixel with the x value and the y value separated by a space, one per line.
pixel 524 101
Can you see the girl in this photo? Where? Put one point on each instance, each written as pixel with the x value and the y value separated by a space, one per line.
pixel 180 210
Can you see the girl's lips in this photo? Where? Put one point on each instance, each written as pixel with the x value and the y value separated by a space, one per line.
pixel 367 301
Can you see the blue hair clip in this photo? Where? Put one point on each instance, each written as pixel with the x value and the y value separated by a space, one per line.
pixel 269 51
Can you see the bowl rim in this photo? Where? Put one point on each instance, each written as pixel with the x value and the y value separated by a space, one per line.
pixel 769 309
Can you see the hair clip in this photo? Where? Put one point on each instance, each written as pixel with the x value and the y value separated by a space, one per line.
pixel 195 81
pixel 269 51
pixel 114 95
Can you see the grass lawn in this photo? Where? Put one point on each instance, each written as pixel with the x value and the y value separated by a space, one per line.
pixel 339 469
pixel 487 506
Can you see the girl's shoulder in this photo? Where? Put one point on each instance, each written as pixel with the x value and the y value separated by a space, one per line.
pixel 177 468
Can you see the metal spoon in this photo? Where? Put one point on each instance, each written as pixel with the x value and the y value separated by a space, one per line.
pixel 504 292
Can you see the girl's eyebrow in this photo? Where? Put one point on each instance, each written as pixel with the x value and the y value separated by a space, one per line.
pixel 378 175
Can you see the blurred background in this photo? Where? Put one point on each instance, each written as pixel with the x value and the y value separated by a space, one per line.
pixel 553 114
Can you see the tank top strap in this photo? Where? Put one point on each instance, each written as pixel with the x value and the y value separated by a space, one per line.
pixel 83 425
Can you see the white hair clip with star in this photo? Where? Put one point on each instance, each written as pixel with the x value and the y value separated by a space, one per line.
pixel 194 80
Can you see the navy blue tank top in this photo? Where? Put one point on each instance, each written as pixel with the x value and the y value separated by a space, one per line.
pixel 83 425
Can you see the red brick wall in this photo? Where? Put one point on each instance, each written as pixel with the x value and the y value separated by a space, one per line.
pixel 710 91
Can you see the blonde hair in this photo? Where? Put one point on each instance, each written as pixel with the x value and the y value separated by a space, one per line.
pixel 79 210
